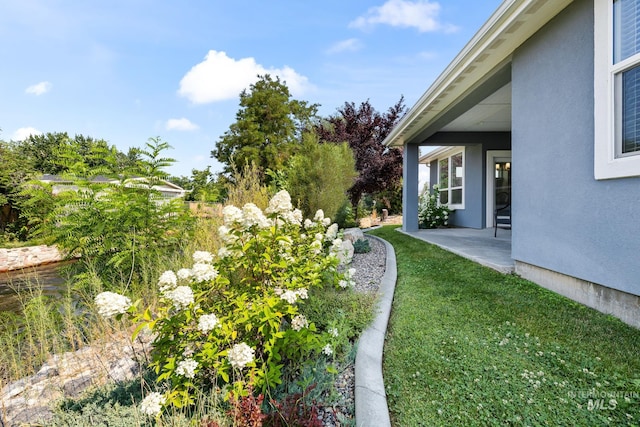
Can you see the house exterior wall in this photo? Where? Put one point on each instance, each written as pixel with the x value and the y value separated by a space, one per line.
pixel 563 219
pixel 472 214
pixel 475 193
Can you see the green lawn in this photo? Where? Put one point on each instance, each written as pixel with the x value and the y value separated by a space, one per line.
pixel 469 346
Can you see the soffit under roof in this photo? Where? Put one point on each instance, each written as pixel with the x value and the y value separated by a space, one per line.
pixel 489 50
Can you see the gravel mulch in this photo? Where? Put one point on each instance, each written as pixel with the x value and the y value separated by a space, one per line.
pixel 370 268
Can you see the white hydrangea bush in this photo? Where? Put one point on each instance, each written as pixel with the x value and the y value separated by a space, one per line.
pixel 235 317
pixel 111 304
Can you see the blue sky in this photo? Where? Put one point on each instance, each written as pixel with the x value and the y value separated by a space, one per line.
pixel 128 70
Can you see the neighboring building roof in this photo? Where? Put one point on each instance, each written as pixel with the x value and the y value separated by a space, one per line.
pixel 436 154
pixel 52 178
pixel 163 186
pixel 486 54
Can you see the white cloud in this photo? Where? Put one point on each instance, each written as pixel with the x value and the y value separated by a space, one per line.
pixel 180 124
pixel 349 45
pixel 420 14
pixel 39 88
pixel 220 77
pixel 23 133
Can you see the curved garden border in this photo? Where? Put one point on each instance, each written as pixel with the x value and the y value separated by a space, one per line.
pixel 370 397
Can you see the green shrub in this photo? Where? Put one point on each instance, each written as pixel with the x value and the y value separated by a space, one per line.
pixel 432 214
pixel 119 229
pixel 319 176
pixel 361 246
pixel 348 311
pixel 235 322
pixel 344 217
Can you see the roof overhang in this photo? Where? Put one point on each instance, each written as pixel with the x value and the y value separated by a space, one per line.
pixel 482 67
pixel 436 154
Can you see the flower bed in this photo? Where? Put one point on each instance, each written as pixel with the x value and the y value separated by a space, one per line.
pixel 236 322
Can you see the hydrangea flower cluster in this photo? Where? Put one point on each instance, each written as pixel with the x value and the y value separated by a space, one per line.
pixel 348 278
pixel 280 203
pixel 187 368
pixel 207 322
pixel 320 218
pixel 111 304
pixel 252 215
pixel 202 272
pixel 240 355
pixel 299 322
pixel 202 257
pixel 332 232
pixel 167 281
pixel 291 296
pixel 328 350
pixel 231 215
pixel 181 296
pixel 152 404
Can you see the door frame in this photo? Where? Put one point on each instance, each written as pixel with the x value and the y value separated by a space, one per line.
pixel 492 155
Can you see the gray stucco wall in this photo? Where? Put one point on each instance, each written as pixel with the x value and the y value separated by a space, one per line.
pixel 563 219
pixel 471 216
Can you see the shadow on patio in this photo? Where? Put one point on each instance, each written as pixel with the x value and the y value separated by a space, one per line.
pixel 477 245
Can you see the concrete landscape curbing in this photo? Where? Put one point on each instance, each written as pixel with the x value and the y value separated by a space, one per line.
pixel 371 400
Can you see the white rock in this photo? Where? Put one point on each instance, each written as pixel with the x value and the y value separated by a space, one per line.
pixel 345 255
pixel 352 234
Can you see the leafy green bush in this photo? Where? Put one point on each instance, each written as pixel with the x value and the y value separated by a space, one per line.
pixel 319 176
pixel 346 311
pixel 119 229
pixel 237 320
pixel 344 217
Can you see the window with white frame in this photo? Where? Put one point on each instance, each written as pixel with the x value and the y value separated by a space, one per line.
pixel 451 180
pixel 617 88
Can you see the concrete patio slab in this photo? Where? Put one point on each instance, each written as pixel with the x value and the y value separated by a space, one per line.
pixel 477 245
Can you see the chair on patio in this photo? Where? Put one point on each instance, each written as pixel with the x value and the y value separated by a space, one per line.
pixel 502 213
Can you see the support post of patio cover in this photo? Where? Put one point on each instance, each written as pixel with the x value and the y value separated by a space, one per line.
pixel 410 187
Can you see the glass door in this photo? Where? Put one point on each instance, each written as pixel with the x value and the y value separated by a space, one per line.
pixel 502 183
pixel 498 182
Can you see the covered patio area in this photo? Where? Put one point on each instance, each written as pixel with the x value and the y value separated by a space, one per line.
pixel 478 245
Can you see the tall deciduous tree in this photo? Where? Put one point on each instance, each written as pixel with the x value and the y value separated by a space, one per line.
pixel 268 127
pixel 44 151
pixel 364 129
